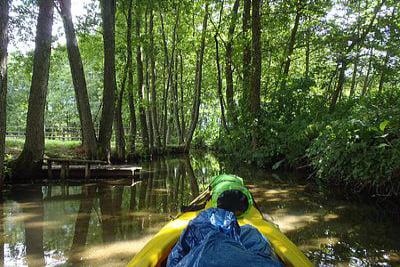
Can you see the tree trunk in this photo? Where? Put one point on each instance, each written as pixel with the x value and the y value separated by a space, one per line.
pixel 107 113
pixel 118 121
pixel 308 33
pixel 149 118
pixel 139 70
pixel 256 68
pixel 131 102
pixel 79 81
pixel 354 76
pixel 383 73
pixel 219 80
pixel 153 85
pixel 231 107
pixel 366 81
pixel 170 64
pixel 339 86
pixel 3 83
pixel 176 103
pixel 29 163
pixel 182 105
pixel 388 53
pixel 292 42
pixel 198 80
pixel 166 88
pixel 246 55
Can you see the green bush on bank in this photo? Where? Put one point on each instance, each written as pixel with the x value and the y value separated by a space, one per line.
pixel 357 145
pixel 361 149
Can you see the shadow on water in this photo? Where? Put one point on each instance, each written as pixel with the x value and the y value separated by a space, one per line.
pixel 107 223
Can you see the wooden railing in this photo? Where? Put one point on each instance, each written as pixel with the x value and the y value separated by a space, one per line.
pixel 51 133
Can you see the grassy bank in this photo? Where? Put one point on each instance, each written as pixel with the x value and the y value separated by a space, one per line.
pixel 53 148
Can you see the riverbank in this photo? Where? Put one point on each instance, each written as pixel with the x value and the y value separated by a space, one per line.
pixel 355 147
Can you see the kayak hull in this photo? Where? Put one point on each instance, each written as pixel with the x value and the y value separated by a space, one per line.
pixel 156 251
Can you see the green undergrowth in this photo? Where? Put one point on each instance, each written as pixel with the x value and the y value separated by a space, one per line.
pixel 53 148
pixel 357 146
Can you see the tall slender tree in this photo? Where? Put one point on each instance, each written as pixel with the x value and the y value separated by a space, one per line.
pixel 246 25
pixel 3 82
pixel 29 162
pixel 140 81
pixel 79 81
pixel 231 107
pixel 109 80
pixel 198 80
pixel 131 102
pixel 256 69
pixel 153 81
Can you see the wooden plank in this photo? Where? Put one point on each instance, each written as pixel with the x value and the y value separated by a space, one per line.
pixel 61 160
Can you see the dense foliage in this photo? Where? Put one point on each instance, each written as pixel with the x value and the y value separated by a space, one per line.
pixel 326 99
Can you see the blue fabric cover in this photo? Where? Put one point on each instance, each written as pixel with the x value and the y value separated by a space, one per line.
pixel 215 239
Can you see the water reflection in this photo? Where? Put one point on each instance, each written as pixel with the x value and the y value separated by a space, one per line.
pixel 108 223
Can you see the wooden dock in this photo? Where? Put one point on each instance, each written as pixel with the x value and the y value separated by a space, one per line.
pixel 61 168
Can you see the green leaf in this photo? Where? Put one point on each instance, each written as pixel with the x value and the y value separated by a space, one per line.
pixel 383 125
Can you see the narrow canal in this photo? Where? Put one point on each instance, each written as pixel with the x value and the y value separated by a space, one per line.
pixel 106 223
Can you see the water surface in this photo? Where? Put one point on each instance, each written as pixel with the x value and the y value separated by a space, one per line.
pixel 107 223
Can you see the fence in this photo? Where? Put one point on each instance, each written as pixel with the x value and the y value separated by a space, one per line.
pixel 52 133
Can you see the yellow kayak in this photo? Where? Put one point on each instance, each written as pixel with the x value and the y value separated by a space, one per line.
pixel 156 251
pixel 222 192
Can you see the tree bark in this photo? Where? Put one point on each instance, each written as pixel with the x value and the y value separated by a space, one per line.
pixel 153 84
pixel 366 80
pixel 29 163
pixel 219 86
pixel 131 102
pixel 256 70
pixel 383 73
pixel 176 103
pixel 170 64
pixel 147 91
pixel 166 88
pixel 4 7
pixel 292 42
pixel 118 121
pixel 246 55
pixel 140 84
pixel 198 80
pixel 107 113
pixel 182 105
pixel 307 72
pixel 79 81
pixel 340 83
pixel 354 76
pixel 231 107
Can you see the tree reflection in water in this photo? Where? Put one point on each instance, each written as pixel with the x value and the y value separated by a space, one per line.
pixel 108 222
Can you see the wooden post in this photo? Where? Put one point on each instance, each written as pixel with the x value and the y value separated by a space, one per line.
pixel 67 170
pixel 63 170
pixel 87 170
pixel 49 169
